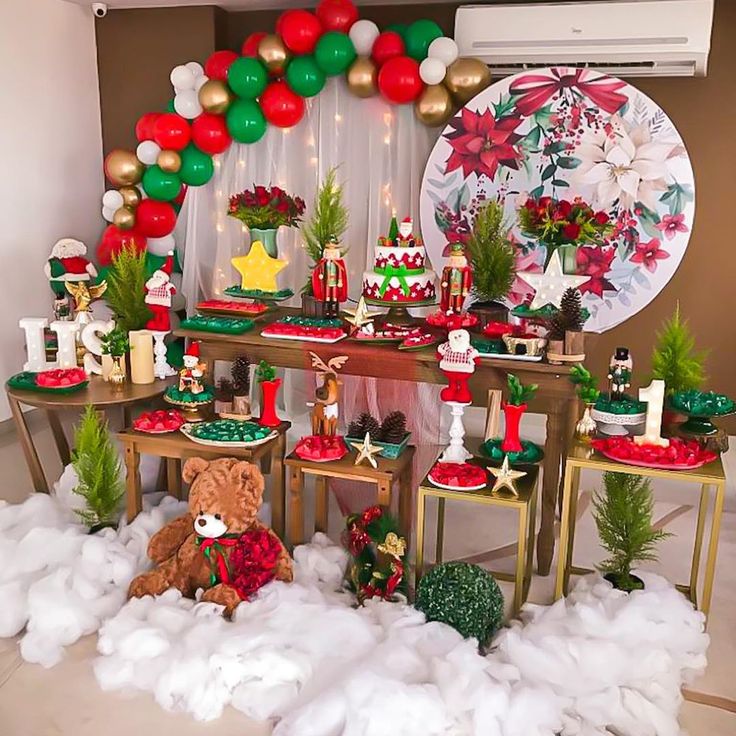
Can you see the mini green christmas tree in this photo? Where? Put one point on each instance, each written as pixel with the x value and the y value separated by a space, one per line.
pixel 97 465
pixel 586 383
pixel 674 359
pixel 490 254
pixel 265 372
pixel 623 515
pixel 115 343
pixel 519 393
pixel 125 293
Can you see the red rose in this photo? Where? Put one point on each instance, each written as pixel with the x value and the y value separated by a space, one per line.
pixel 530 204
pixel 564 208
pixel 571 231
pixel 601 218
pixel 544 201
pixel 262 199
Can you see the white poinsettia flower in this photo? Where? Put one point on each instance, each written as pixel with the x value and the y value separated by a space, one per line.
pixel 624 164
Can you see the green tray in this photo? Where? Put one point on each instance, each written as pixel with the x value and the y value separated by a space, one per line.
pixel 263 296
pixel 26 381
pixel 214 323
pixel 530 454
pixel 390 450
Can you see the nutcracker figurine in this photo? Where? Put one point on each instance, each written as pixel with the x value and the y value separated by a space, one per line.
pixel 457 278
pixel 619 373
pixel 192 374
pixel 330 279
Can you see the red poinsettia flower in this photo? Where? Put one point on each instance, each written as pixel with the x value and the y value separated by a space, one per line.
pixel 670 225
pixel 595 263
pixel 481 143
pixel 649 253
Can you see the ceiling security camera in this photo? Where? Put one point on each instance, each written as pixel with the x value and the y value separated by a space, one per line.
pixel 99 9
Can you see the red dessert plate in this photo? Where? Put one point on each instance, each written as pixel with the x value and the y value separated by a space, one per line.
pixel 680 455
pixel 458 476
pixel 321 449
pixel 61 378
pixel 160 421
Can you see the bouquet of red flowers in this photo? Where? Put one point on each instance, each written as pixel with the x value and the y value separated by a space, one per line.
pixel 266 208
pixel 561 222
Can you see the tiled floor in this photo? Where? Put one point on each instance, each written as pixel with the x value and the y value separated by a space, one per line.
pixel 67 700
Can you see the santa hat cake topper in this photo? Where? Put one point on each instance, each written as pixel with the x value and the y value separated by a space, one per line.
pixel 193 350
pixel 168 265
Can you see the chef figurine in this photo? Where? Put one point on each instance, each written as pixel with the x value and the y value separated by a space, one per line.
pixel 405 238
pixel 457 278
pixel 619 373
pixel 330 279
pixel 458 359
pixel 191 375
pixel 159 291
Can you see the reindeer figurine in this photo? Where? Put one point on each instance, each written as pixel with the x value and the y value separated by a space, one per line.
pixel 325 409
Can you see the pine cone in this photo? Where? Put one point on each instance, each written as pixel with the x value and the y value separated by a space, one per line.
pixel 393 428
pixel 571 307
pixel 224 390
pixel 365 423
pixel 240 373
pixel 557 327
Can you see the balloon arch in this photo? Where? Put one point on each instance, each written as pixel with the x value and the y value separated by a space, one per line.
pixel 235 97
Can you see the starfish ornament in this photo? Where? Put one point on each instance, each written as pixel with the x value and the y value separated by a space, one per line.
pixel 258 269
pixel 360 316
pixel 506 477
pixel 552 284
pixel 366 451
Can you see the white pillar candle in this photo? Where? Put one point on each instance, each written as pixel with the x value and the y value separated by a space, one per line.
pixel 653 394
pixel 141 356
pixel 66 351
pixel 35 344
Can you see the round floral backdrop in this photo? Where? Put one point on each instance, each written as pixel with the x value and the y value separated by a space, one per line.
pixel 568 135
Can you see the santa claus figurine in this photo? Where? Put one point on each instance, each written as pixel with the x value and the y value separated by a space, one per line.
pixel 330 279
pixel 159 291
pixel 457 278
pixel 405 238
pixel 192 374
pixel 458 359
pixel 68 262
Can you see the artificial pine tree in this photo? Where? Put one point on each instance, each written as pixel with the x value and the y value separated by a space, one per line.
pixel 125 294
pixel 623 515
pixel 674 359
pixel 240 373
pixel 97 465
pixel 393 428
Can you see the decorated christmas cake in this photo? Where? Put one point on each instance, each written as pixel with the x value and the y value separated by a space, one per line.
pixel 399 274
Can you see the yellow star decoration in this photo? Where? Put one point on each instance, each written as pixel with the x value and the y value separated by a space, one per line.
pixel 258 269
pixel 366 451
pixel 360 316
pixel 506 477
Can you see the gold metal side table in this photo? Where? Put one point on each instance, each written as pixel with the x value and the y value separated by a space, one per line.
pixel 709 476
pixel 526 505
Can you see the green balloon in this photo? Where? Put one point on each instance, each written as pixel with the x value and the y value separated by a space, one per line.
pixel 170 106
pixel 245 121
pixel 160 184
pixel 419 35
pixel 196 166
pixel 304 76
pixel 247 77
pixel 334 53
pixel 400 28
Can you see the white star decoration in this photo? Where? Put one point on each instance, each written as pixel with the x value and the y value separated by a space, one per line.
pixel 552 284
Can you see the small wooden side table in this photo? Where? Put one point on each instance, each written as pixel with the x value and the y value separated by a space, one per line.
pixel 176 447
pixel 709 476
pixel 387 473
pixel 526 505
pixel 99 393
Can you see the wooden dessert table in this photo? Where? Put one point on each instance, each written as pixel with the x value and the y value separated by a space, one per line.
pixel 556 395
pixel 99 393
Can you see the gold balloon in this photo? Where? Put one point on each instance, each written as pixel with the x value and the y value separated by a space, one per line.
pixel 123 167
pixel 215 96
pixel 124 218
pixel 131 196
pixel 466 77
pixel 169 161
pixel 273 53
pixel 362 77
pixel 434 106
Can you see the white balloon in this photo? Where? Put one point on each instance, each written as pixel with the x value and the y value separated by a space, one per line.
pixel 432 71
pixel 108 212
pixel 112 199
pixel 199 81
pixel 160 246
pixel 444 49
pixel 363 33
pixel 186 103
pixel 182 77
pixel 195 68
pixel 148 152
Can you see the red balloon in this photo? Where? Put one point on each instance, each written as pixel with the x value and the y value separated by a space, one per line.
pixel 337 15
pixel 250 45
pixel 171 131
pixel 281 106
pixel 218 63
pixel 300 30
pixel 387 46
pixel 154 219
pixel 144 126
pixel 399 81
pixel 114 239
pixel 209 133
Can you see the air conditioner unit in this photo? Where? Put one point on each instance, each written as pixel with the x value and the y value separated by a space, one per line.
pixel 624 38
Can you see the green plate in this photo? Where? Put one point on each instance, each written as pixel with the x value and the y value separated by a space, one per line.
pixel 262 296
pixel 26 381
pixel 228 433
pixel 222 325
pixel 186 398
pixel 530 454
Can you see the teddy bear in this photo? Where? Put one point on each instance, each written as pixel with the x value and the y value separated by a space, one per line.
pixel 219 546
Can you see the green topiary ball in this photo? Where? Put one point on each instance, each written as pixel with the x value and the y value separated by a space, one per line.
pixel 463 596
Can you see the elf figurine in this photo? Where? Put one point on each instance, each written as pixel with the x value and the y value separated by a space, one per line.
pixel 457 278
pixel 192 374
pixel 330 279
pixel 405 238
pixel 159 291
pixel 458 359
pixel 619 373
pixel 68 262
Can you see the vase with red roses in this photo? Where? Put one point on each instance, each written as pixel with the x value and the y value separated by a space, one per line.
pixel 564 225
